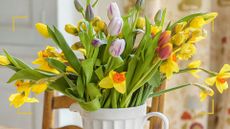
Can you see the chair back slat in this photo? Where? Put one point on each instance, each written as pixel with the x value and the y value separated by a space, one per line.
pixel 60 102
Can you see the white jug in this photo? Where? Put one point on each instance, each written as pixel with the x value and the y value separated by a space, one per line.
pixel 121 118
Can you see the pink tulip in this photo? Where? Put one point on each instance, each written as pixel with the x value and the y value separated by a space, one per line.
pixel 165 51
pixel 113 11
pixel 117 47
pixel 164 38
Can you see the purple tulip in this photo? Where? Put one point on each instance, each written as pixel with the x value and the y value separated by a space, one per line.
pixel 89 15
pixel 115 26
pixel 97 42
pixel 113 11
pixel 117 47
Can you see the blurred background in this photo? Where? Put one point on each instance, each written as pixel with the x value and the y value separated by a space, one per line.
pixel 185 111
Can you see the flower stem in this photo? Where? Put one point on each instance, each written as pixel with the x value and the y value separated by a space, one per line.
pixel 202 69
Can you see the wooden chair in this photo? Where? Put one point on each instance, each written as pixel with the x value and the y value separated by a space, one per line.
pixel 52 102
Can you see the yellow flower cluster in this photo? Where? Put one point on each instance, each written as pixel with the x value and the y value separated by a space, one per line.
pixel 49 52
pixel 23 92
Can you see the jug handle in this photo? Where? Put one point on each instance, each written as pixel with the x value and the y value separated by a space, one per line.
pixel 160 115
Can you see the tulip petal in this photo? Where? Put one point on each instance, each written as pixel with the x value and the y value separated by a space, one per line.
pixel 120 87
pixel 210 81
pixel 106 83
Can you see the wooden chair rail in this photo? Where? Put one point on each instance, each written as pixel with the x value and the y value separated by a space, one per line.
pixel 60 102
pixel 69 127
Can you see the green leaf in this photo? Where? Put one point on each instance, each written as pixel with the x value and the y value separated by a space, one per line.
pixel 155 81
pixel 70 82
pixel 115 63
pixel 68 52
pixel 27 74
pixel 80 87
pixel 99 72
pixel 61 67
pixel 16 62
pixel 92 91
pixel 87 66
pixel 60 85
pixel 131 70
pixel 91 106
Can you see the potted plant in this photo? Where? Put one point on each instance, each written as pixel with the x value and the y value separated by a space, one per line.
pixel 114 68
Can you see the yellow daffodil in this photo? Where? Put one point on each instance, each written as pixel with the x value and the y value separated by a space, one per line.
pixel 154 30
pixel 23 86
pixel 42 29
pixel 4 60
pixel 114 80
pixel 197 22
pixel 186 51
pixel 39 87
pixel 205 93
pixel 220 79
pixel 44 65
pixel 169 66
pixel 140 23
pixel 179 27
pixel 71 29
pixel 178 39
pixel 195 64
pixel 18 99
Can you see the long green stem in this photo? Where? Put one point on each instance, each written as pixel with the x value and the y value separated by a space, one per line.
pixel 191 69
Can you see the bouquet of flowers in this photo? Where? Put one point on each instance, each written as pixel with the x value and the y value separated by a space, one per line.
pixel 114 65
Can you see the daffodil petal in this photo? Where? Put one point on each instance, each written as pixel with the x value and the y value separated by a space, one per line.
pixel 210 81
pixel 220 86
pixel 39 88
pixel 225 68
pixel 225 75
pixel 106 83
pixel 120 87
pixel 31 100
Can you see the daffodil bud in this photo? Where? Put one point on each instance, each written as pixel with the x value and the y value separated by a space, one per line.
pixel 4 60
pixel 78 6
pixel 42 29
pixel 140 23
pixel 139 3
pixel 209 17
pixel 197 22
pixel 113 11
pixel 115 26
pixel 71 29
pixel 117 47
pixel 89 15
pixel 164 38
pixel 97 42
pixel 165 51
pixel 179 27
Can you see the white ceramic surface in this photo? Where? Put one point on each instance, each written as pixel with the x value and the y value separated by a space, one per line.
pixel 123 118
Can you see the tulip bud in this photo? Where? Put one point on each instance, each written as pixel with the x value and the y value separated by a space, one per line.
pixel 71 29
pixel 140 23
pixel 97 42
pixel 113 11
pixel 4 61
pixel 42 29
pixel 158 17
pixel 139 3
pixel 89 15
pixel 115 26
pixel 78 6
pixel 164 38
pixel 165 51
pixel 117 47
